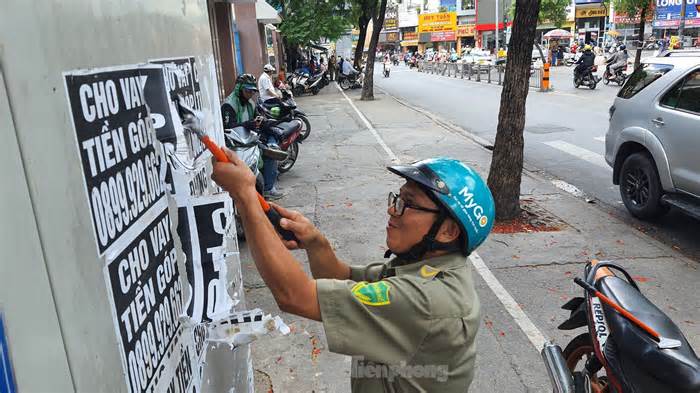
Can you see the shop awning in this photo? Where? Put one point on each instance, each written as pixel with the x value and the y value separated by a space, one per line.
pixel 265 13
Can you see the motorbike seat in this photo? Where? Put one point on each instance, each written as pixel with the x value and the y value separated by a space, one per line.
pixel 677 369
pixel 285 129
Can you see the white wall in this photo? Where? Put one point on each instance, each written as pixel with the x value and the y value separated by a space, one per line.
pixel 52 287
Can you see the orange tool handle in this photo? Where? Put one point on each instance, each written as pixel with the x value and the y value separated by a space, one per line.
pixel 590 288
pixel 214 149
pixel 271 214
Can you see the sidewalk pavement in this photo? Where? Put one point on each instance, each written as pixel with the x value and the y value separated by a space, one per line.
pixel 340 182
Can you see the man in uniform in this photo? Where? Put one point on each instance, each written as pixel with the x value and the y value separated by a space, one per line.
pixel 409 323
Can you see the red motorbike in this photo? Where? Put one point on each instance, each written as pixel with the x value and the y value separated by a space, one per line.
pixel 630 345
pixel 288 136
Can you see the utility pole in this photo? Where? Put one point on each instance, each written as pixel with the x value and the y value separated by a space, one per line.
pixel 681 23
pixel 495 49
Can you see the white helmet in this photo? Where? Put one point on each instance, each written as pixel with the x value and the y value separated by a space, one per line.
pixel 269 68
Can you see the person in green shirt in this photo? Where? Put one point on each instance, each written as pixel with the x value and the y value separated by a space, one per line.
pixel 409 323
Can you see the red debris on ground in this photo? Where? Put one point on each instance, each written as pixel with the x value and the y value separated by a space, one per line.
pixel 641 278
pixel 524 223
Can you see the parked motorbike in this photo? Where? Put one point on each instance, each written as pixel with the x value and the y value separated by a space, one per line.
pixel 618 77
pixel 301 82
pixel 387 69
pixel 288 135
pixel 349 81
pixel 285 110
pixel 630 344
pixel 587 77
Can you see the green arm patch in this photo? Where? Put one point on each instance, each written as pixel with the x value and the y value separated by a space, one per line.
pixel 374 294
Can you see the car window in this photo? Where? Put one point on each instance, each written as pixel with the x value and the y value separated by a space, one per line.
pixel 670 99
pixel 642 77
pixel 689 99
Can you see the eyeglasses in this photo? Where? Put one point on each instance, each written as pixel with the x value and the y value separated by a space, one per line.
pixel 400 205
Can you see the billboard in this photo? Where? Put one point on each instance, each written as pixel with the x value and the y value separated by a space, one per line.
pixel 668 13
pixel 440 21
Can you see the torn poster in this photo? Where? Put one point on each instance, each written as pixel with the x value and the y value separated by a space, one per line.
pixel 204 228
pixel 115 113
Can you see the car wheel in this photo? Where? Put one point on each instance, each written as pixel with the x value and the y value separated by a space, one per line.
pixel 640 187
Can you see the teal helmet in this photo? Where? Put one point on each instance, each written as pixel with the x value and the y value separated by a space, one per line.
pixel 460 191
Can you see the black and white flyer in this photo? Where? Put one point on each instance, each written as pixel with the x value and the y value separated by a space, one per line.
pixel 204 228
pixel 115 131
pixel 116 112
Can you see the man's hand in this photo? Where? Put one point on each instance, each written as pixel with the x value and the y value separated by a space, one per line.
pixel 302 227
pixel 234 177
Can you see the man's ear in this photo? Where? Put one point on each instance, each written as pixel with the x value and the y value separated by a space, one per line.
pixel 449 231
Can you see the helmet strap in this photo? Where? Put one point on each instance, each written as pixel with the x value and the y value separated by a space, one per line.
pixel 427 244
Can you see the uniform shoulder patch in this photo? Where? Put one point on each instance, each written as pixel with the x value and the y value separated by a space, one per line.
pixel 372 294
pixel 427 271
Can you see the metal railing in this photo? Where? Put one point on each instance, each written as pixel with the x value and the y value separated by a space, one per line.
pixel 476 72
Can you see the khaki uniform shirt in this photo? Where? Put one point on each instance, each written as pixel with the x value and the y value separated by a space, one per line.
pixel 409 328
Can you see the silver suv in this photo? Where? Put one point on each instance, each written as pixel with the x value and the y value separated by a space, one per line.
pixel 653 142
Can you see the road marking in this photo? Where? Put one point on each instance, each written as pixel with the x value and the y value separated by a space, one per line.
pixel 369 126
pixel 600 138
pixel 579 152
pixel 533 334
pixel 570 188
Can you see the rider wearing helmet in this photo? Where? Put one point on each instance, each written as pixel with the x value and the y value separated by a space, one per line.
pixel 419 309
pixel 586 61
pixel 618 60
pixel 268 93
pixel 238 110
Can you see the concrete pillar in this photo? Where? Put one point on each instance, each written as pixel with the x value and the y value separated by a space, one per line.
pixel 249 34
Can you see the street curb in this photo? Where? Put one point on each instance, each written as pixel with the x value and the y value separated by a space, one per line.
pixel 542 176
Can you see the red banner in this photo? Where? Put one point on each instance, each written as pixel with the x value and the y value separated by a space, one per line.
pixel 442 36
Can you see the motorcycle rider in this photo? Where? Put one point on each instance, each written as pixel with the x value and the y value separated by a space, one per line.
pixel 267 90
pixel 586 61
pixel 238 110
pixel 349 71
pixel 617 61
pixel 418 309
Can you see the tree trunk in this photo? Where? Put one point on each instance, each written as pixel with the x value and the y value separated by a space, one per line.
pixel 640 37
pixel 377 22
pixel 507 161
pixel 364 21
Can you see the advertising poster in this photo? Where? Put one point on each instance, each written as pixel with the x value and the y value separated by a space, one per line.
pixel 116 113
pixel 205 226
pixel 668 13
pixel 437 22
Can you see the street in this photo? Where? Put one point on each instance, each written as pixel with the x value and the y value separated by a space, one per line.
pixel 522 279
pixel 564 135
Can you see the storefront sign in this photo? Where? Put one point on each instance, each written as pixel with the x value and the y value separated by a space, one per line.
pixel 668 13
pixel 391 18
pixel 441 21
pixel 408 19
pixel 442 36
pixel 466 30
pixel 392 36
pixel 409 43
pixel 591 12
pixel 626 19
pixel 410 36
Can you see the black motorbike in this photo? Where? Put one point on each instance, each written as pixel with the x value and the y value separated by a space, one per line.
pixel 285 110
pixel 586 77
pixel 630 345
pixel 351 81
pixel 619 76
